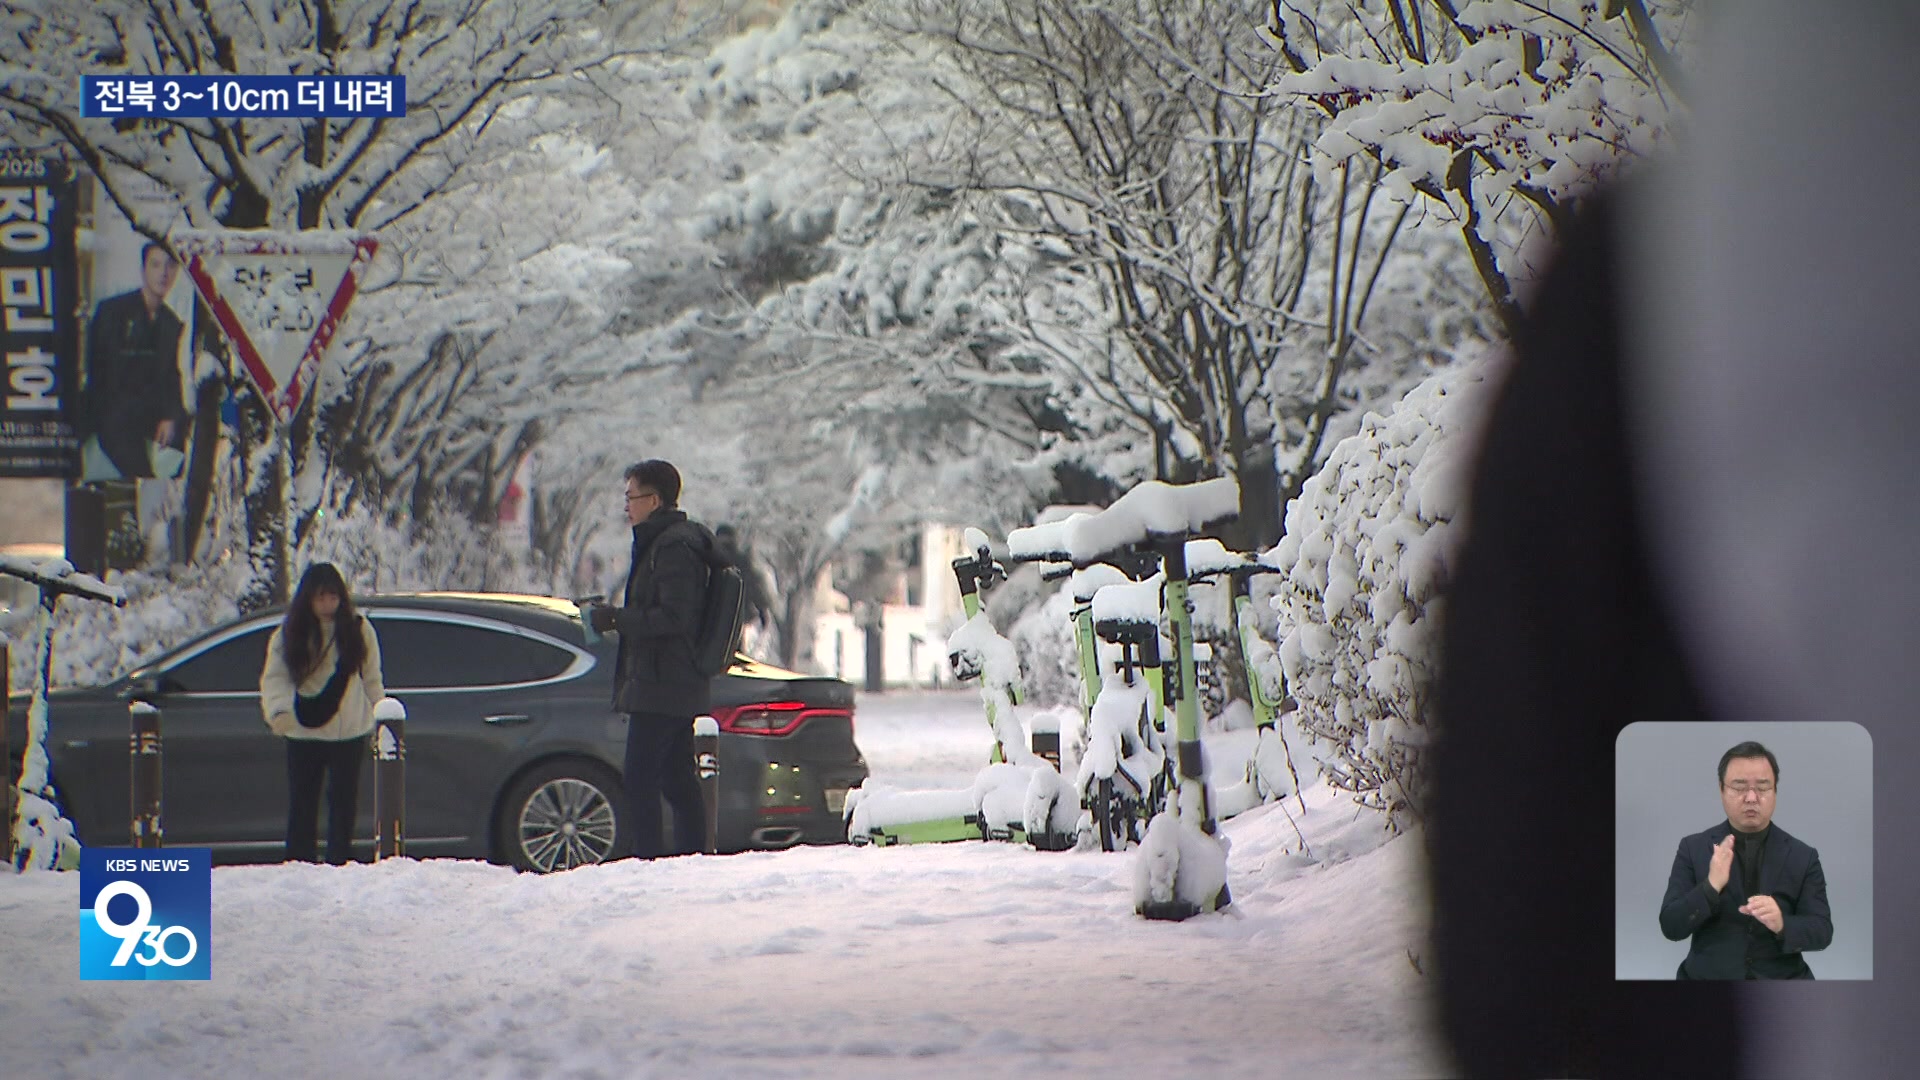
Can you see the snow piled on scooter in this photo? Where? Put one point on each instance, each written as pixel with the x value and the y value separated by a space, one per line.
pixel 1152 509
pixel 1176 860
pixel 1114 740
pixel 1129 602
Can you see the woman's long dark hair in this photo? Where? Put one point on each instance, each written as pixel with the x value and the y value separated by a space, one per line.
pixel 300 638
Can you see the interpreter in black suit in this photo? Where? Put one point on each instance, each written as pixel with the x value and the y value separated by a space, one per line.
pixel 1752 897
pixel 132 399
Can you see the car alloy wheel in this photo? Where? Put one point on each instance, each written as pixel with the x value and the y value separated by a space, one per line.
pixel 564 823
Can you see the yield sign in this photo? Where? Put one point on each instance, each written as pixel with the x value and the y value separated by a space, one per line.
pixel 279 298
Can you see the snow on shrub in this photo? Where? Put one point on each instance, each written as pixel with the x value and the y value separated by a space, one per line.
pixel 1366 554
pixel 1049 655
pixel 169 606
pixel 95 642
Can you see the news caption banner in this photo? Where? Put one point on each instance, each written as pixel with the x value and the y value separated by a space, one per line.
pixel 240 96
pixel 146 913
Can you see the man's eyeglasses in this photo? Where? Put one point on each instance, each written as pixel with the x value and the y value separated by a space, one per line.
pixel 1757 789
pixel 642 495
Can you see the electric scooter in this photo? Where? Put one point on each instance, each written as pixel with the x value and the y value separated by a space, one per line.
pixel 1017 797
pixel 1182 867
pixel 40 836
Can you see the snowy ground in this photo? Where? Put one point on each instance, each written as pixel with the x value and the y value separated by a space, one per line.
pixel 959 959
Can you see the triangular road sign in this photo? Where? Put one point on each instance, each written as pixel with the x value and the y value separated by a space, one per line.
pixel 279 298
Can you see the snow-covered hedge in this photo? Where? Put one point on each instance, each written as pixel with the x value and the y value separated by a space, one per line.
pixel 1049 656
pixel 93 642
pixel 1367 556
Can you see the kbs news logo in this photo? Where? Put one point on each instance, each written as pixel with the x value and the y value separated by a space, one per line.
pixel 146 913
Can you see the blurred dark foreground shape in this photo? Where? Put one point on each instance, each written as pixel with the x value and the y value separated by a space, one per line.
pixel 1697 499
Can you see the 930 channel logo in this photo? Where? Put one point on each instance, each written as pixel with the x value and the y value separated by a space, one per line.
pixel 146 913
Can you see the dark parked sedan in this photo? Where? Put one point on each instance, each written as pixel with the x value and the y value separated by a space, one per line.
pixel 513 751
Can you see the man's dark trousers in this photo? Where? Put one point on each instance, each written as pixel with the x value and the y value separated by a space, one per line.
pixel 660 764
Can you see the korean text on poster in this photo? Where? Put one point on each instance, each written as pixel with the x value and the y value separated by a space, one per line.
pixel 39 328
pixel 242 96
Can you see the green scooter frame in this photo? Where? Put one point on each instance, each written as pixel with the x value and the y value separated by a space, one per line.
pixel 977 573
pixel 1193 801
pixel 1119 816
pixel 1266 710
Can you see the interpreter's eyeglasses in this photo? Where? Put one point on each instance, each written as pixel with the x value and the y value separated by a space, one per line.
pixel 1742 790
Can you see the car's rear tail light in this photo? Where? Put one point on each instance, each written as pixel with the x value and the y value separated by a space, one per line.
pixel 772 718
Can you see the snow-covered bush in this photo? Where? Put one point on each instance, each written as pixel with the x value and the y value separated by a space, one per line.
pixel 95 642
pixel 1043 637
pixel 378 556
pixel 1367 557
pixel 169 606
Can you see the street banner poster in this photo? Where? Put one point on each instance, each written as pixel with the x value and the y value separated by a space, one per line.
pixel 39 326
pixel 135 411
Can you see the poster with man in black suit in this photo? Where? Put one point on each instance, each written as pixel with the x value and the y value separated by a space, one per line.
pixel 133 417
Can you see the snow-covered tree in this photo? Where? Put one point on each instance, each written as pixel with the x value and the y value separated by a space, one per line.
pixel 812 490
pixel 1498 113
pixel 961 318
pixel 1136 134
pixel 504 319
pixel 915 307
pixel 1367 555
pixel 854 349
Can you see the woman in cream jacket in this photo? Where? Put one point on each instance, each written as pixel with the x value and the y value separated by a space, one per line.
pixel 318 689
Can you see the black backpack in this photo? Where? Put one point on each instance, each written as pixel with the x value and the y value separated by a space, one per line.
pixel 720 622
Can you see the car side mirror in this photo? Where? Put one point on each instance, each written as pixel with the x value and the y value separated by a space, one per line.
pixel 145 686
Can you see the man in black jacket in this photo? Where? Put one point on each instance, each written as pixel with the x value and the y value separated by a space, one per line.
pixel 1752 898
pixel 754 600
pixel 654 680
pixel 132 398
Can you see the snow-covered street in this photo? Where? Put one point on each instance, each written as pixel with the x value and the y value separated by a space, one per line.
pixel 959 959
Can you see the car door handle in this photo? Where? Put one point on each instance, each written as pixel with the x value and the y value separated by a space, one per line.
pixel 509 718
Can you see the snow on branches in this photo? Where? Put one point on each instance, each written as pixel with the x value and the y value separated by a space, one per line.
pixel 1477 106
pixel 457 57
pixel 1367 554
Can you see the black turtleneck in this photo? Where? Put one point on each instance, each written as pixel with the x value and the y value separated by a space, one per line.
pixel 1748 849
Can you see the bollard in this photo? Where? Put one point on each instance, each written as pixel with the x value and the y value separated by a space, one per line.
pixel 389 779
pixel 143 745
pixel 706 762
pixel 6 759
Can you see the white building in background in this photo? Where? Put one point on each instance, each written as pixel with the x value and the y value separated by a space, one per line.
pixel 922 607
